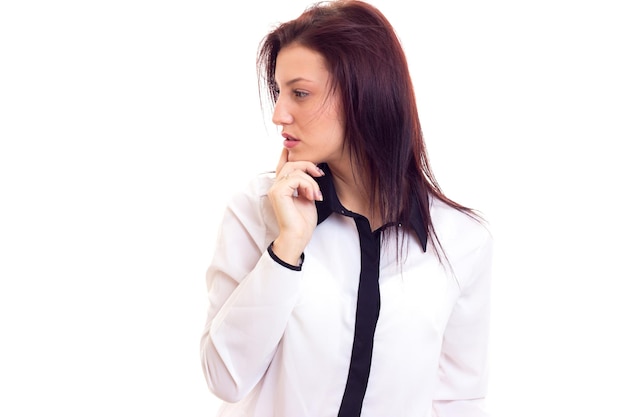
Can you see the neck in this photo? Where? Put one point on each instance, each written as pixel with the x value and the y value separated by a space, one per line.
pixel 354 194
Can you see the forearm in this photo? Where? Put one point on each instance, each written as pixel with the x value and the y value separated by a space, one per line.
pixel 241 338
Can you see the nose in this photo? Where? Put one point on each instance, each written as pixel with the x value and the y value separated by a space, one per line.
pixel 281 116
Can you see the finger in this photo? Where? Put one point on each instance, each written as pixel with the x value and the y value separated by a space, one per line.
pixel 314 170
pixel 304 166
pixel 284 156
pixel 303 184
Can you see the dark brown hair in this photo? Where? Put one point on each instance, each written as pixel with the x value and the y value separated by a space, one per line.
pixel 369 70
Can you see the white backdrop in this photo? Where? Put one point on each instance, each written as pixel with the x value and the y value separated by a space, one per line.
pixel 126 125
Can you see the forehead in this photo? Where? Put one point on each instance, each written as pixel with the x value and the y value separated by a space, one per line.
pixel 298 62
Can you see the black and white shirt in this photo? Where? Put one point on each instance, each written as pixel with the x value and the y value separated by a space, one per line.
pixel 352 331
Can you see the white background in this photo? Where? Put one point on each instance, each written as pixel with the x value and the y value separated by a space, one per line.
pixel 125 126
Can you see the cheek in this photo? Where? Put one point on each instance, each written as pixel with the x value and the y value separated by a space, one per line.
pixel 336 130
pixel 334 138
pixel 336 124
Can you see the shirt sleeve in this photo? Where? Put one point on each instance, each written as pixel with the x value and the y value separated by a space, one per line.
pixel 251 297
pixel 463 366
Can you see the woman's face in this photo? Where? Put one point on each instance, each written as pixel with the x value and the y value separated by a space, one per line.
pixel 309 114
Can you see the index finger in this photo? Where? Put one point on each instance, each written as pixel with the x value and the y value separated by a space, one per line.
pixel 284 156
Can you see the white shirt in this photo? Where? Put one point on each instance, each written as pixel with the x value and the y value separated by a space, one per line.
pixel 278 340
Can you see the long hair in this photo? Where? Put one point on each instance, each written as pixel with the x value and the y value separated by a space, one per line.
pixel 369 69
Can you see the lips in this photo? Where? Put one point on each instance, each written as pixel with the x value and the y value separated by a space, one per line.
pixel 290 141
pixel 287 136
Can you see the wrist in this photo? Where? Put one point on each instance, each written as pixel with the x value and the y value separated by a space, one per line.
pixel 287 252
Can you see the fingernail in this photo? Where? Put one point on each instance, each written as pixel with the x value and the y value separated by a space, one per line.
pixel 318 196
pixel 320 171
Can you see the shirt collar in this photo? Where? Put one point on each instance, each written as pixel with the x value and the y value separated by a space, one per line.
pixel 331 204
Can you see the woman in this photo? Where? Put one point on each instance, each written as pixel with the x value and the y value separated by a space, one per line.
pixel 347 283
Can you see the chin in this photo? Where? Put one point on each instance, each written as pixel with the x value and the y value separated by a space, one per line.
pixel 297 156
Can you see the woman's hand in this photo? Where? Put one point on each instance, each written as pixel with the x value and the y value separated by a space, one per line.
pixel 293 197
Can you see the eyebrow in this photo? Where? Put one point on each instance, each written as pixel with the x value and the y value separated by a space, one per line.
pixel 295 80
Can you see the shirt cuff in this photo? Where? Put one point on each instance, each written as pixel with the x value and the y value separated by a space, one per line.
pixel 283 263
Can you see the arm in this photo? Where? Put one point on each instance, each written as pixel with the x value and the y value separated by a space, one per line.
pixel 463 362
pixel 252 294
pixel 251 297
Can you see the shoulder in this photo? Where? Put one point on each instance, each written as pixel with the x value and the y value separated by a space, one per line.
pixel 257 187
pixel 250 203
pixel 253 193
pixel 460 234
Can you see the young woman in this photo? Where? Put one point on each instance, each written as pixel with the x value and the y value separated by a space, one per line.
pixel 346 283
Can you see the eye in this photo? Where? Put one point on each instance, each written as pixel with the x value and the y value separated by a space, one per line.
pixel 300 93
